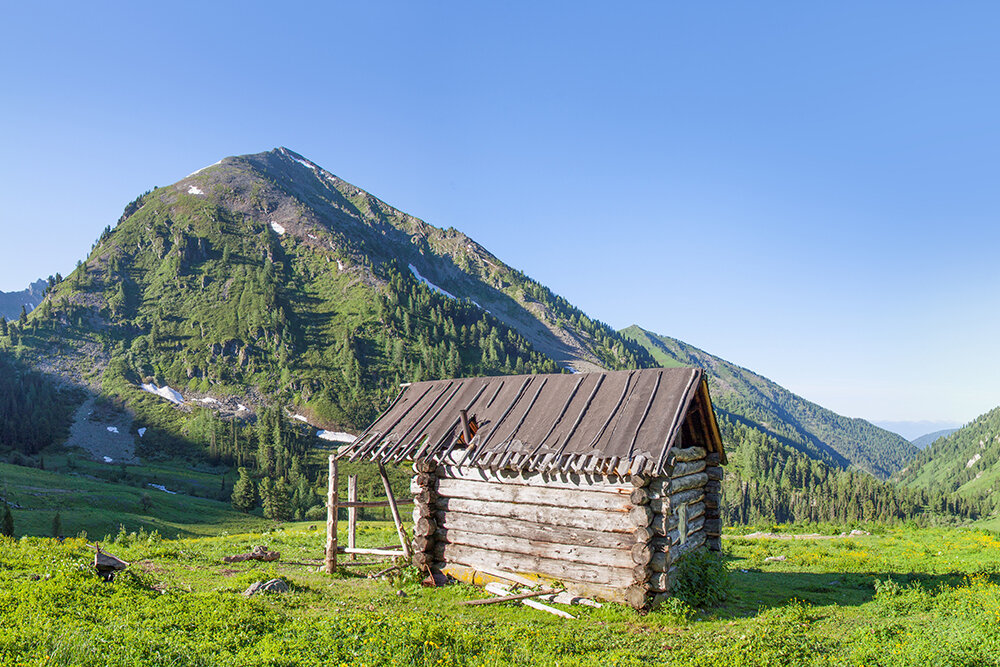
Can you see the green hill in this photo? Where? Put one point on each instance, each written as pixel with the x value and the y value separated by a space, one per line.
pixel 755 401
pixel 964 462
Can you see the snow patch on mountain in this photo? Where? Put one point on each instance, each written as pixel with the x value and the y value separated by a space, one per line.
pixel 416 274
pixel 166 392
pixel 278 228
pixel 336 436
pixel 195 190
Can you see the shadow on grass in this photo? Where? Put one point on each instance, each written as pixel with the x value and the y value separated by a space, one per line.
pixel 753 590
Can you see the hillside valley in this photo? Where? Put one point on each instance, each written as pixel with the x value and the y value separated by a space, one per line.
pixel 257 312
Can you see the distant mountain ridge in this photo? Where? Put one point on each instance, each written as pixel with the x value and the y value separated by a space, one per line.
pixel 928 439
pixel 11 302
pixel 807 427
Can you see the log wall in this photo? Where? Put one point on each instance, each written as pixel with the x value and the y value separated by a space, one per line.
pixel 616 538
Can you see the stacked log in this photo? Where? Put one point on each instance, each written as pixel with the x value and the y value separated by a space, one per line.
pixel 713 501
pixel 679 513
pixel 617 538
pixel 570 527
pixel 424 489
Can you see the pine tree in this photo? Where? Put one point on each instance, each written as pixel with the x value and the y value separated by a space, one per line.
pixel 7 526
pixel 23 319
pixel 244 497
pixel 276 501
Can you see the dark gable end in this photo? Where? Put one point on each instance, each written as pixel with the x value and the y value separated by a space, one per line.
pixel 617 422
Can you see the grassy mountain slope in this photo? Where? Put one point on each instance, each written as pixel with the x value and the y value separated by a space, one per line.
pixel 965 462
pixel 758 402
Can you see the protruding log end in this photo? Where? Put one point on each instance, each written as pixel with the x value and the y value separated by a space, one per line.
pixel 639 480
pixel 643 534
pixel 641 554
pixel 639 497
pixel 641 515
pixel 637 596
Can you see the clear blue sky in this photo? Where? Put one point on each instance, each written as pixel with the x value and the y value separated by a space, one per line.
pixel 806 189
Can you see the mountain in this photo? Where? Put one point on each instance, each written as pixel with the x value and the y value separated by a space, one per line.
pixel 227 318
pixel 965 462
pixel 264 279
pixel 11 302
pixel 911 430
pixel 753 400
pixel 925 440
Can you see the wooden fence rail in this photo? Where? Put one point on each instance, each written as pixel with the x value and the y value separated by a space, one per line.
pixel 352 504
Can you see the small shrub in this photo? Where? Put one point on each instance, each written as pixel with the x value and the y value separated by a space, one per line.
pixel 702 580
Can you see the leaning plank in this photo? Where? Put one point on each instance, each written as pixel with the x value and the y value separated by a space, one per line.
pixel 533 531
pixel 668 505
pixel 510 493
pixel 570 553
pixel 673 537
pixel 555 516
pixel 573 481
pixel 482 575
pixel 404 541
pixel 559 569
pixel 664 523
pixel 511 598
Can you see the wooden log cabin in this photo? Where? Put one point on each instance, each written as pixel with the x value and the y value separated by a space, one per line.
pixel 599 481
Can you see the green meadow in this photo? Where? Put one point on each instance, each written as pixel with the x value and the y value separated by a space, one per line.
pixel 897 597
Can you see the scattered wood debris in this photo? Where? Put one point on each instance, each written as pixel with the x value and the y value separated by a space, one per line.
pixel 259 552
pixel 512 597
pixel 499 589
pixel 388 570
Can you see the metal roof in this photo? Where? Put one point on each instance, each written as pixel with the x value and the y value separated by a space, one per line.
pixel 611 422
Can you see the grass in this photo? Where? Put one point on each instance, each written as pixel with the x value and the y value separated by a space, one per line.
pixel 904 597
pixel 98 507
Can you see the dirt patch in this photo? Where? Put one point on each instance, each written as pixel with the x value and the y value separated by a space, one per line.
pixel 103 434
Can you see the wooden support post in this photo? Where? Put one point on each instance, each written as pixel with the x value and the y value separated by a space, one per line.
pixel 331 517
pixel 403 540
pixel 352 513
